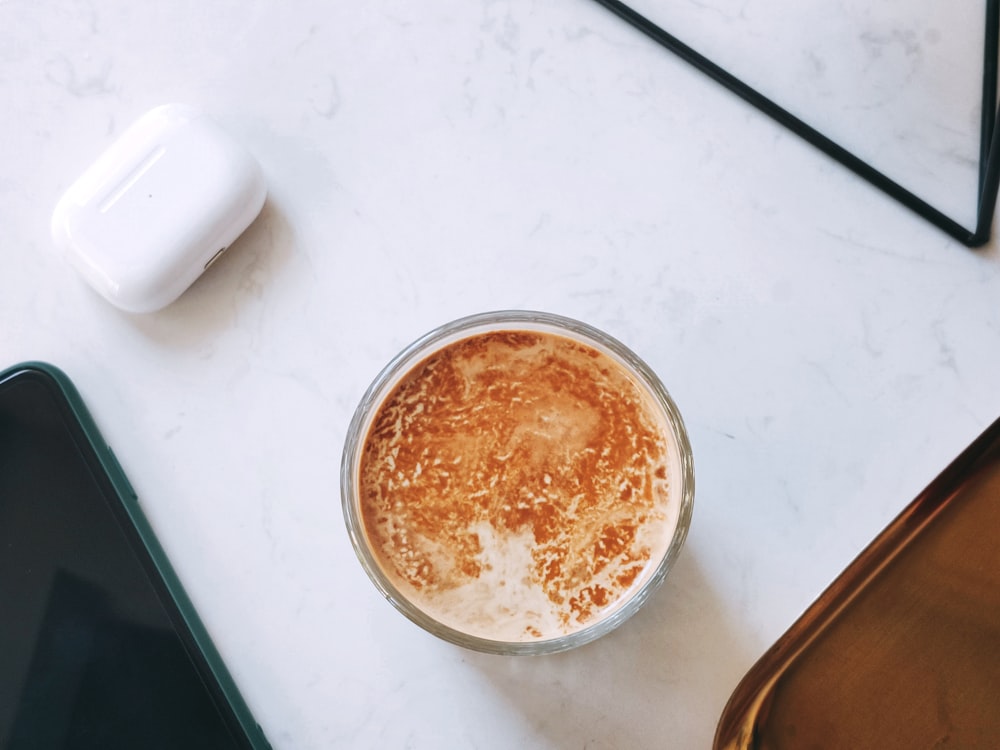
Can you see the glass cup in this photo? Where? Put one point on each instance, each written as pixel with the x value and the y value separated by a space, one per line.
pixel 440 551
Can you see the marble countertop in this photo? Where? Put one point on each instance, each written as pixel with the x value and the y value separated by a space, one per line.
pixel 830 351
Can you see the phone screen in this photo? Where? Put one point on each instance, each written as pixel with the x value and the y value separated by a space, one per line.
pixel 94 650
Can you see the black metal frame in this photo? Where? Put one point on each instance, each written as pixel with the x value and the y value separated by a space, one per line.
pixel 989 138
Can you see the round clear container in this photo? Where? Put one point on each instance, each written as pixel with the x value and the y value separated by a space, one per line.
pixel 406 598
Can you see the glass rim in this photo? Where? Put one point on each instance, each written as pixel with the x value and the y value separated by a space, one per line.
pixel 459 329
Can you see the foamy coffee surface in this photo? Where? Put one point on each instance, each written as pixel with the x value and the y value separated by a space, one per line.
pixel 515 485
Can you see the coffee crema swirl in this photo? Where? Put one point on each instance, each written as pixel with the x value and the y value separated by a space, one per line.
pixel 515 485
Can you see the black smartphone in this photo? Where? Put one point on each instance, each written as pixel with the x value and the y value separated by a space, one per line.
pixel 99 646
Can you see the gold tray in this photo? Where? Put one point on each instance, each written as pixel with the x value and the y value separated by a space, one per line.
pixel 903 649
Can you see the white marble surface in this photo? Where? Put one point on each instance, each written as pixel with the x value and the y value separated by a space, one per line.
pixel 830 351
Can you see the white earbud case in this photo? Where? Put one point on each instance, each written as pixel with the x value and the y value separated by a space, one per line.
pixel 158 207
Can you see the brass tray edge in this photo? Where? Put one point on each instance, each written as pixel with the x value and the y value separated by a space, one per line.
pixel 747 706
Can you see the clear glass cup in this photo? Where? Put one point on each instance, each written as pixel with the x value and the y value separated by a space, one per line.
pixel 681 492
